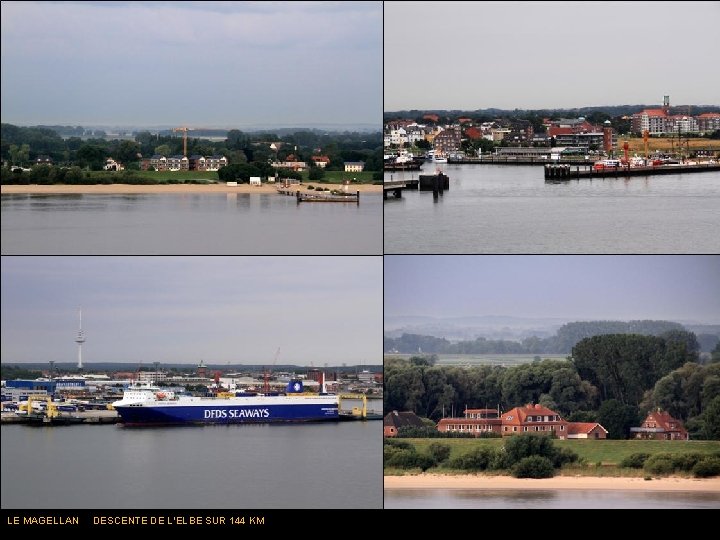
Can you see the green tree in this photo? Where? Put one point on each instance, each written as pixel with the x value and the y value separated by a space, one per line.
pixel 127 152
pixel 711 420
pixel 533 467
pixel 92 155
pixel 163 150
pixel 618 418
pixel 439 452
pixel 19 154
pixel 316 173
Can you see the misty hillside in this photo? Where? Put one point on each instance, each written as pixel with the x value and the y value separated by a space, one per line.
pixel 561 342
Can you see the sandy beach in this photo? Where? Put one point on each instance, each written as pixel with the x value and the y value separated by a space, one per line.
pixel 107 189
pixel 437 481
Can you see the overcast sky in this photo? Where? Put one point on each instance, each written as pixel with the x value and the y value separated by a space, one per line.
pixel 201 63
pixel 627 287
pixel 168 309
pixel 475 55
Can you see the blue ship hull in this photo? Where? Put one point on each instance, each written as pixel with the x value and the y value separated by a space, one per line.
pixel 226 414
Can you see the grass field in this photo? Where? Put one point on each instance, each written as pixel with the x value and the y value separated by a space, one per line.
pixel 606 452
pixel 336 177
pixel 163 175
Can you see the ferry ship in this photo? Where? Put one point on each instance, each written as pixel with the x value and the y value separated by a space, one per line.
pixel 144 404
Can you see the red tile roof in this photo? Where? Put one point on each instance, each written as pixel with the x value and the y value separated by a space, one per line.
pixel 663 420
pixel 473 133
pixel 709 115
pixel 553 131
pixel 574 428
pixel 519 415
pixel 654 112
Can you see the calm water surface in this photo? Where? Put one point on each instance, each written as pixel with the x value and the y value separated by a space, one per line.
pixel 188 224
pixel 489 499
pixel 511 209
pixel 326 465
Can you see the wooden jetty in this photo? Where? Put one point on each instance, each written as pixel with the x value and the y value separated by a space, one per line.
pixel 568 172
pixel 328 197
pixel 437 183
pixel 321 196
pixel 396 187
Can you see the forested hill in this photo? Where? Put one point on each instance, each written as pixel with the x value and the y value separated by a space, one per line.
pixel 562 342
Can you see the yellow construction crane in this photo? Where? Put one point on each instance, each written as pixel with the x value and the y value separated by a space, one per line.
pixel 184 129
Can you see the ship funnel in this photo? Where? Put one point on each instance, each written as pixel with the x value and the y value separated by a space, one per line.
pixel 295 386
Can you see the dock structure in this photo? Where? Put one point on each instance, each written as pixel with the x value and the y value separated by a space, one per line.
pixel 437 183
pixel 568 172
pixel 62 418
pixel 319 196
pixel 356 413
pixel 328 197
pixel 396 187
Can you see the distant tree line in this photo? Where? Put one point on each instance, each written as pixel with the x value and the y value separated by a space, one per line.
pixel 562 342
pixel 614 379
pixel 23 145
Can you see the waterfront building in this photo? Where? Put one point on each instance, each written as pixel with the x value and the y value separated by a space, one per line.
pixel 395 420
pixel 536 419
pixel 659 425
pixel 447 141
pixel 354 166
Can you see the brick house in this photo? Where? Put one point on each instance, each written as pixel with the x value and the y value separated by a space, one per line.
pixel 215 163
pixel 177 163
pixel 321 161
pixel 528 419
pixel 659 425
pixel 476 421
pixel 196 162
pixel 395 420
pixel 586 430
pixel 447 141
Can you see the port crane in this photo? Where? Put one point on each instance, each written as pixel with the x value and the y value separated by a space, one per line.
pixel 184 129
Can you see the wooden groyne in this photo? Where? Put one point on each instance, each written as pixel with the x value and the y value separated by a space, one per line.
pixel 568 172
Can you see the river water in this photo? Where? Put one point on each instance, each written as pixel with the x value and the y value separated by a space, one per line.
pixel 512 209
pixel 324 465
pixel 492 499
pixel 188 224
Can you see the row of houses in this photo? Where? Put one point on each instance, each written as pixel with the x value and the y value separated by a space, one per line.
pixel 658 121
pixel 292 163
pixel 184 163
pixel 536 419
pixel 566 132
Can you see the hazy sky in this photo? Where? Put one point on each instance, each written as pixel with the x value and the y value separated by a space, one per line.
pixel 168 309
pixel 474 55
pixel 684 287
pixel 201 63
